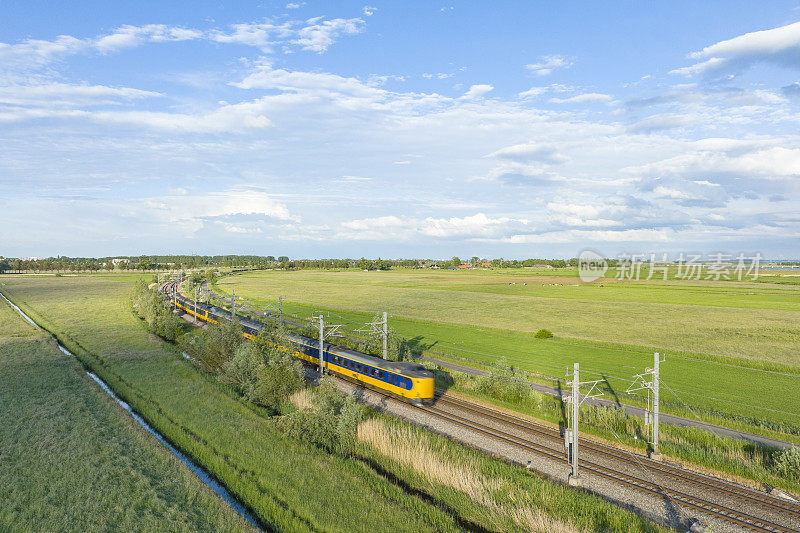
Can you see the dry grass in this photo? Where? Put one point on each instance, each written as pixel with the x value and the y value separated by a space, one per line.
pixel 403 445
pixel 302 399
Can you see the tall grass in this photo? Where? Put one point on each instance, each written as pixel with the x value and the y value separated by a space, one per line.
pixel 507 498
pixel 73 461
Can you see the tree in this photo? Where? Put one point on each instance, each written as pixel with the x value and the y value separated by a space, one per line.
pixel 283 259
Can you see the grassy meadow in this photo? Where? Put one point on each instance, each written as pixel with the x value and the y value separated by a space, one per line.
pixel 72 460
pixel 287 484
pixel 611 330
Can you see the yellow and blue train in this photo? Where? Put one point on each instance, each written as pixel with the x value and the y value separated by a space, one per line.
pixel 410 381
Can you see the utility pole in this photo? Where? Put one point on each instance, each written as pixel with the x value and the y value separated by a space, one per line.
pixel 382 328
pixel 576 381
pixel 385 335
pixel 332 328
pixel 650 380
pixel 571 437
pixel 321 340
pixel 656 455
pixel 233 305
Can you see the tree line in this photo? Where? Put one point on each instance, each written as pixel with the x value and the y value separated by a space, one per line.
pixel 184 262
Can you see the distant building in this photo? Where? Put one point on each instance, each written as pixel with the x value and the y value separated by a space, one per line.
pixel 485 265
pixel 119 261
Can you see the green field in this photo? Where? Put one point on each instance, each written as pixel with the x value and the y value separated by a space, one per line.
pixel 289 485
pixel 611 330
pixel 71 460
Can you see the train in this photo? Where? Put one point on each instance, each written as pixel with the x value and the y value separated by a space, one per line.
pixel 409 381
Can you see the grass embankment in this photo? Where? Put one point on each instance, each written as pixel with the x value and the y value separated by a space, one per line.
pixel 241 445
pixel 71 460
pixel 485 493
pixel 700 324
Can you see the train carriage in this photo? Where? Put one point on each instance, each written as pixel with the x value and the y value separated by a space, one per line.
pixel 410 381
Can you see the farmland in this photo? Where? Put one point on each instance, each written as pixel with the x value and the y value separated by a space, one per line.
pixel 73 461
pixel 611 330
pixel 287 484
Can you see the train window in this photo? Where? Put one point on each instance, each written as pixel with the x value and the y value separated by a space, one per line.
pixel 358 367
pixel 351 364
pixel 380 374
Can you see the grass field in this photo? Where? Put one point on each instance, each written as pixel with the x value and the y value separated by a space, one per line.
pixel 71 460
pixel 611 330
pixel 288 485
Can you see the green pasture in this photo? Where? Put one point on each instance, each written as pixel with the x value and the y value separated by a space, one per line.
pixel 71 460
pixel 289 486
pixel 713 350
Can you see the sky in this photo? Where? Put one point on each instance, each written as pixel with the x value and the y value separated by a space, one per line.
pixel 399 129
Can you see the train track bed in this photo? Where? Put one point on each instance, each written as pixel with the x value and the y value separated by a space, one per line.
pixel 664 493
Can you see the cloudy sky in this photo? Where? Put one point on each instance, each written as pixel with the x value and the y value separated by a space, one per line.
pixel 397 129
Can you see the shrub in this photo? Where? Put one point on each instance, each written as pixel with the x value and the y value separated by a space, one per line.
pixel 331 424
pixel 262 374
pixel 504 383
pixel 543 334
pixel 151 307
pixel 788 464
pixel 277 380
pixel 220 344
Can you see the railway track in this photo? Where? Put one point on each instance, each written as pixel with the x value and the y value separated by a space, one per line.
pixel 746 494
pixel 723 511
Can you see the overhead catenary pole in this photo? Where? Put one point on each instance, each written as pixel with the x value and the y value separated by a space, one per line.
pixel 656 455
pixel 233 304
pixel 195 304
pixel 576 381
pixel 321 340
pixel 280 310
pixel 385 335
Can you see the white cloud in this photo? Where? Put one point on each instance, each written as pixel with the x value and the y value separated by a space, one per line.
pixel 353 179
pixel 228 203
pixel 547 64
pixel 476 226
pixel 777 45
pixel 771 41
pixel 369 10
pixel 586 98
pixel 318 35
pixel 295 5
pixel 704 67
pixel 533 92
pixel 531 151
pixel 477 91
pixel 584 237
pixel 51 94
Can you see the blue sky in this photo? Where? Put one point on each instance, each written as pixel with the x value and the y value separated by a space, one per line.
pixel 399 129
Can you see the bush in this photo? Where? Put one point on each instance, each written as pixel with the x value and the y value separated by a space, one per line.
pixel 504 383
pixel 151 307
pixel 331 425
pixel 788 464
pixel 543 334
pixel 263 374
pixel 219 345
